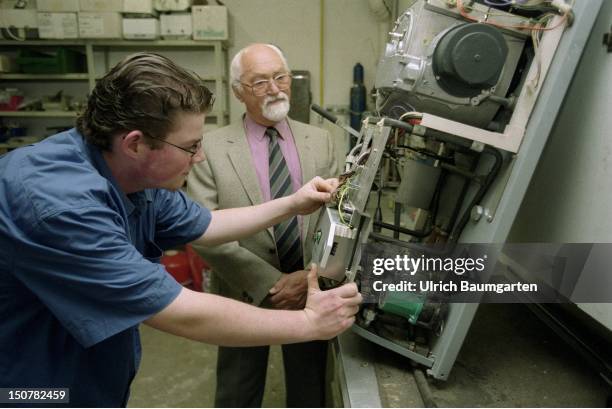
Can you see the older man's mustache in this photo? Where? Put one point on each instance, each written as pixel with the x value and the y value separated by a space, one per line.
pixel 280 97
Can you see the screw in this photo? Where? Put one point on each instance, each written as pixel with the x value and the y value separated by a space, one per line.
pixel 477 212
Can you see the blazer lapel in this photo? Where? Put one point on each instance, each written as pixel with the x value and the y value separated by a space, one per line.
pixel 242 161
pixel 240 156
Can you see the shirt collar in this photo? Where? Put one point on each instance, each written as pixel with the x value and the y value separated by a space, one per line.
pixel 259 131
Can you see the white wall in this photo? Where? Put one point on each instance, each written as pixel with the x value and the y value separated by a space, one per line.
pixel 351 36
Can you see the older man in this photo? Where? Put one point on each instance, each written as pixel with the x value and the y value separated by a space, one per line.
pixel 264 156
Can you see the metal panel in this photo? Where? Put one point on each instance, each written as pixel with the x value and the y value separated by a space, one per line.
pixel 357 376
pixel 496 229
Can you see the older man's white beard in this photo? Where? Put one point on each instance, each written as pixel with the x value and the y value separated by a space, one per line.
pixel 275 108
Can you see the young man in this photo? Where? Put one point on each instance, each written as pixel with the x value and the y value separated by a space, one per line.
pixel 245 167
pixel 84 217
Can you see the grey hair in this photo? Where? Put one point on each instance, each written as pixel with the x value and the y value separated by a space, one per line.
pixel 236 64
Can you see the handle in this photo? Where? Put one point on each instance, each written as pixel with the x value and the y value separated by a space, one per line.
pixel 324 113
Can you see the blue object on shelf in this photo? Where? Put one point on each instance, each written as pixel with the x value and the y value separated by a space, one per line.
pixel 358 97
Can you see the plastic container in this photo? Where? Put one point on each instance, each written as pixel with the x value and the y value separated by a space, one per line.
pixel 12 104
pixel 187 268
pixel 60 61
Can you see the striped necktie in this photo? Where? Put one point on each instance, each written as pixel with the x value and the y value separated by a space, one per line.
pixel 287 233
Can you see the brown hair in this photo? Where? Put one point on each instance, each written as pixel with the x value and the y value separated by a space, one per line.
pixel 144 92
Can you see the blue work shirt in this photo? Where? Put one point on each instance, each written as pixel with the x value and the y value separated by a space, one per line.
pixel 79 269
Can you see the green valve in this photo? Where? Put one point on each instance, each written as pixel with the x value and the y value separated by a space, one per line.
pixel 407 305
pixel 317 236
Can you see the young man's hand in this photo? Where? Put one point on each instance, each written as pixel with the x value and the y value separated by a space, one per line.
pixel 313 194
pixel 330 312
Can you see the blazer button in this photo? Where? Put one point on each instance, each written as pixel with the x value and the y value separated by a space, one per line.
pixel 272 251
pixel 246 297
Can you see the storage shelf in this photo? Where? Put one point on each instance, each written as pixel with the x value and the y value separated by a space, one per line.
pixel 69 114
pixel 36 114
pixel 45 77
pixel 117 43
pixel 215 48
pixel 65 77
pixel 19 141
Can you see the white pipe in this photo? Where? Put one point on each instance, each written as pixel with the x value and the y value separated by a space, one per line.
pixel 379 9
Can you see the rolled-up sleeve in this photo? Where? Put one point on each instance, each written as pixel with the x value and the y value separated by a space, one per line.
pixel 179 219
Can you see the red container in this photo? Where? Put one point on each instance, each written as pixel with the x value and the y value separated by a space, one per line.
pixel 177 265
pixel 185 266
pixel 12 104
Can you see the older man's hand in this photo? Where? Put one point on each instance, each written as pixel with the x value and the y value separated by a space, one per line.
pixel 289 292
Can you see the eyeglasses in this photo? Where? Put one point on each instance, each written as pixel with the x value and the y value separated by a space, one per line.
pixel 259 88
pixel 192 150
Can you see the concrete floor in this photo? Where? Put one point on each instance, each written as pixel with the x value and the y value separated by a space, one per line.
pixel 177 372
pixel 509 359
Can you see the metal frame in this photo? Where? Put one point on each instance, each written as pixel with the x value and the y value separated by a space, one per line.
pixel 510 188
pixel 497 228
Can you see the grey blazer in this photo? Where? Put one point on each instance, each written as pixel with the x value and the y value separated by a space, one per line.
pixel 247 269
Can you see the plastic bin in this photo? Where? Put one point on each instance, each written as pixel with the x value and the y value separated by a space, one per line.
pixel 60 61
pixel 187 267
pixel 12 103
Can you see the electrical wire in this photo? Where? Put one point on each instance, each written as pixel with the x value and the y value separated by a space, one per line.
pixel 501 3
pixel 342 190
pixel 411 114
pixel 535 39
pixel 446 159
pixel 534 26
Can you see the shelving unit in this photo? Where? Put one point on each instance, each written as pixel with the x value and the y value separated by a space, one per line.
pixel 218 50
pixel 44 77
pixel 17 142
pixel 38 114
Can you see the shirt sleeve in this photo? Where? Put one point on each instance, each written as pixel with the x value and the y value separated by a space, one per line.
pixel 83 268
pixel 179 219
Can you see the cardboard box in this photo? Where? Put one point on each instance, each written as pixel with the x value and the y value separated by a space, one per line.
pixel 8 64
pixel 57 25
pixel 209 22
pixel 138 6
pixel 94 24
pixel 140 28
pixel 19 18
pixel 171 5
pixel 11 4
pixel 18 23
pixel 58 6
pixel 101 5
pixel 176 25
